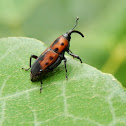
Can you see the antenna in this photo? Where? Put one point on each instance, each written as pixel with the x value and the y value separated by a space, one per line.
pixel 77 18
pixel 75 31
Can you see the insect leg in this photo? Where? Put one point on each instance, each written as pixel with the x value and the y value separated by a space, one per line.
pixel 32 56
pixel 41 87
pixel 75 56
pixel 65 60
pixel 70 51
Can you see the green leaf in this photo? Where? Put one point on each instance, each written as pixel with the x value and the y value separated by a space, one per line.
pixel 88 98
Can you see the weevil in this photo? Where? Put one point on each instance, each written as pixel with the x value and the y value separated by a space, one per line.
pixel 52 56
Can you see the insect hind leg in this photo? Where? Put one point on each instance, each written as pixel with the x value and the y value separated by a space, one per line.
pixel 26 69
pixel 41 87
pixel 32 56
pixel 65 60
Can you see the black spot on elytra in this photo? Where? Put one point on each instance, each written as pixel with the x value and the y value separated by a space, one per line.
pixel 46 63
pixel 51 58
pixel 56 49
pixel 62 44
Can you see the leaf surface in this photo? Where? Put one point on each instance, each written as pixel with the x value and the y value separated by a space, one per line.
pixel 89 97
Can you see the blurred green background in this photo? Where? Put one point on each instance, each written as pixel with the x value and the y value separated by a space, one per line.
pixel 103 22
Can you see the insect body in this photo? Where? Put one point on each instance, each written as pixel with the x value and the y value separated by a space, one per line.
pixel 52 56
